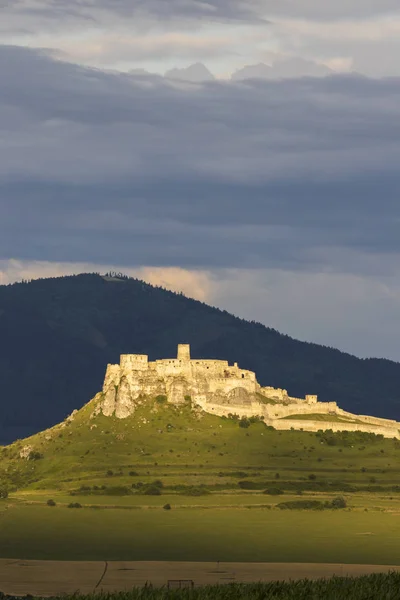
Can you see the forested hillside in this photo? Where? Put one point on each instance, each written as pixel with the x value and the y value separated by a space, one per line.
pixel 57 336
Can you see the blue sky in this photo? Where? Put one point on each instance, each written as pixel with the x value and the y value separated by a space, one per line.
pixel 277 199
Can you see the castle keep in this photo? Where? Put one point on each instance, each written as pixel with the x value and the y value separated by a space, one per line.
pixel 222 389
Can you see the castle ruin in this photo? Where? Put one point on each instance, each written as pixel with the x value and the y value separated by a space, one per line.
pixel 222 389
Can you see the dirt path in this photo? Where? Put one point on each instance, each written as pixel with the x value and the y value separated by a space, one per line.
pixel 20 577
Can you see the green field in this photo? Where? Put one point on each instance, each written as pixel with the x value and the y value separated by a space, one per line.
pixel 199 534
pixel 223 479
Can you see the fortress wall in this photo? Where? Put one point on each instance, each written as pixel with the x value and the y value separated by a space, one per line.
pixel 227 384
pixel 223 410
pixel 134 362
pixel 172 368
pixel 274 393
pixel 280 411
pixel 388 432
pixel 369 420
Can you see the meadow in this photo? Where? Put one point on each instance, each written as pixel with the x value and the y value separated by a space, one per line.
pixel 212 528
pixel 175 484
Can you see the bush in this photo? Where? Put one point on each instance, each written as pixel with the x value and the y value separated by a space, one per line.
pixel 3 493
pixel 110 473
pixel 301 505
pixel 152 490
pixel 161 399
pixel 35 455
pixel 133 474
pixel 244 422
pixel 249 485
pixel 312 477
pixel 51 503
pixel 273 491
pixel 167 507
pixel 196 491
pixel 74 505
pixel 339 502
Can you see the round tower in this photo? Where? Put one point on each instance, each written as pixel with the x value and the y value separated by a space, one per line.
pixel 183 352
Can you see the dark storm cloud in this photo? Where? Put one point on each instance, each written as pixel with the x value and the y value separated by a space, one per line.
pixel 112 168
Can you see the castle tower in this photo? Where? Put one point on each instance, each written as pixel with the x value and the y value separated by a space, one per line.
pixel 183 352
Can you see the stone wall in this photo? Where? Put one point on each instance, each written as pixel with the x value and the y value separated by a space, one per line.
pixel 221 389
pixel 284 425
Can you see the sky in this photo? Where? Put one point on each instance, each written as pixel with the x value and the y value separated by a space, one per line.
pixel 276 199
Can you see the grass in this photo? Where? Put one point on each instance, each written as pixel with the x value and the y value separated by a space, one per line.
pixel 346 588
pixel 195 534
pixel 321 417
pixel 184 448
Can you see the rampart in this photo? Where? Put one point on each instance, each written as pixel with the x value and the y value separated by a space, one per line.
pixel 223 389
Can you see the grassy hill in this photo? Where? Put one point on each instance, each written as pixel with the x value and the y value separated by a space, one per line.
pixel 57 335
pixel 173 483
pixel 185 448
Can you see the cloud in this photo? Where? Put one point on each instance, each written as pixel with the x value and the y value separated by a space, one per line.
pixel 111 168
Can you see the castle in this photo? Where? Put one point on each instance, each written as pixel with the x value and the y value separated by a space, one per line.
pixel 222 389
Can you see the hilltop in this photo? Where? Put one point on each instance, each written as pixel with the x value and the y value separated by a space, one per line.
pixel 56 336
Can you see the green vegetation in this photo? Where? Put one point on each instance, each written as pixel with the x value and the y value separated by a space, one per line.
pixel 223 481
pixel 322 417
pixel 200 533
pixel 59 334
pixel 336 503
pixel 346 588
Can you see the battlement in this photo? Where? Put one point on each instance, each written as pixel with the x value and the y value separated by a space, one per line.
pixel 222 389
pixel 134 362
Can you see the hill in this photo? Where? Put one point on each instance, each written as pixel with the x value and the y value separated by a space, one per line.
pixel 184 446
pixel 57 335
pixel 228 489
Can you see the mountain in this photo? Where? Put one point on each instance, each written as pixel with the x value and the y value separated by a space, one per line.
pixel 57 335
pixel 286 68
pixel 196 73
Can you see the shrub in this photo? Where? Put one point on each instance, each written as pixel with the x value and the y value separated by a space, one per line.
pixel 110 473
pixel 133 474
pixel 152 490
pixel 117 490
pixel 3 493
pixel 196 491
pixel 244 422
pixel 312 477
pixel 301 505
pixel 50 503
pixel 161 399
pixel 249 485
pixel 35 455
pixel 339 502
pixel 273 491
pixel 167 507
pixel 74 505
